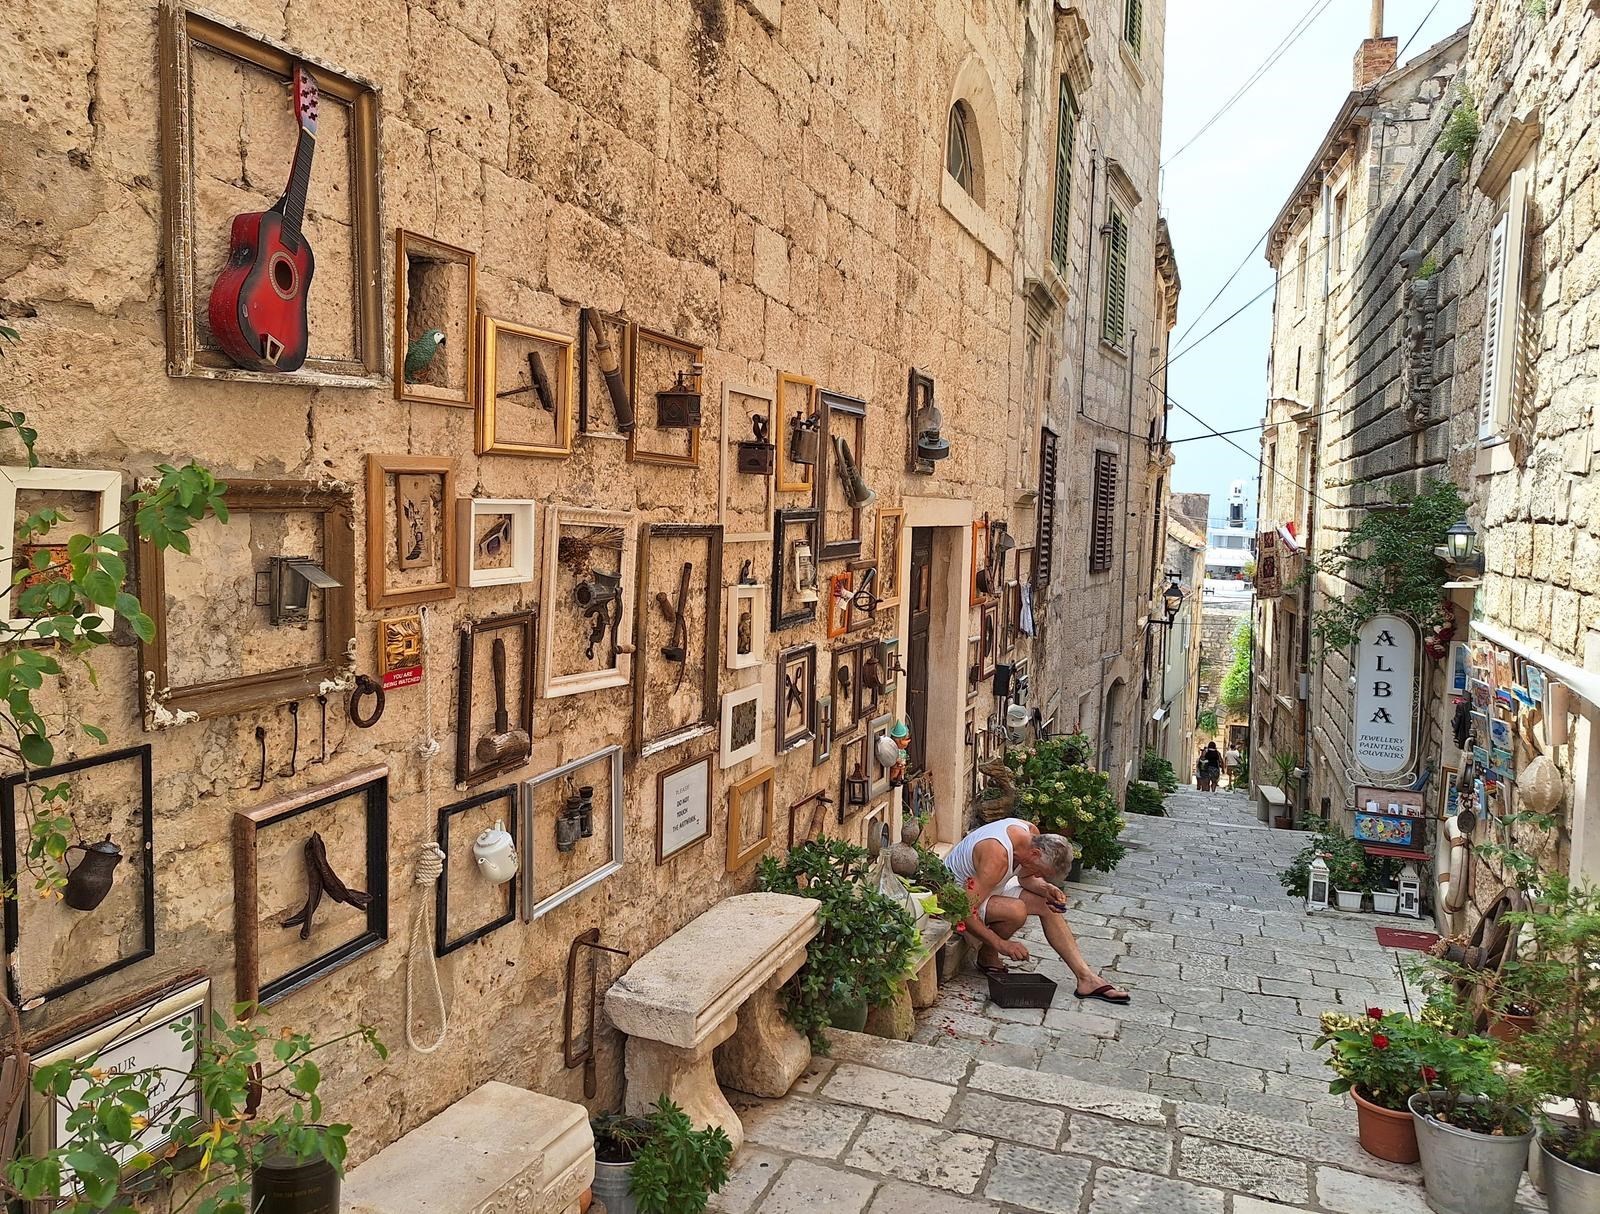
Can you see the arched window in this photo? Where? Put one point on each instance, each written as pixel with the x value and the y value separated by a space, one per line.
pixel 960 159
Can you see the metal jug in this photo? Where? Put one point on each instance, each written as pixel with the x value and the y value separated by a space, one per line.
pixel 90 882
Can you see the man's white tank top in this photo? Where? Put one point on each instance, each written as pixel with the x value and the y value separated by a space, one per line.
pixel 961 862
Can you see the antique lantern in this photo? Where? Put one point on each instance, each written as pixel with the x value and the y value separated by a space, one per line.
pixel 1317 886
pixel 1410 892
pixel 288 588
pixel 856 787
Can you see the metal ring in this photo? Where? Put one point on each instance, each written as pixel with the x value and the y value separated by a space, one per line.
pixel 366 686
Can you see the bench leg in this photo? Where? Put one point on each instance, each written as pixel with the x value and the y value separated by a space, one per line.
pixel 925 986
pixel 766 1055
pixel 688 1076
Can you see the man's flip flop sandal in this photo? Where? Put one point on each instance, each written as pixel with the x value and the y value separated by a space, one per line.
pixel 1100 993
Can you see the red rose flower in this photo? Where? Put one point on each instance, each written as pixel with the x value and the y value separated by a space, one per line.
pixel 1379 1041
pixel 1375 1012
pixel 1429 1074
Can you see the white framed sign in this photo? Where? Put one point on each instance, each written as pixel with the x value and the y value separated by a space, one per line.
pixel 1386 695
pixel 683 807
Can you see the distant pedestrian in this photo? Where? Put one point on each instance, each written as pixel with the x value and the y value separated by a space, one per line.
pixel 1231 759
pixel 1202 772
pixel 1213 761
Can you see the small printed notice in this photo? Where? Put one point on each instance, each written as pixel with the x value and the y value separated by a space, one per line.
pixel 685 808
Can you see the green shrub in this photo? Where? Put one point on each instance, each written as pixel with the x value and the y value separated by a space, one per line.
pixel 1144 799
pixel 1347 868
pixel 1158 770
pixel 1234 694
pixel 676 1167
pixel 1461 131
pixel 1062 795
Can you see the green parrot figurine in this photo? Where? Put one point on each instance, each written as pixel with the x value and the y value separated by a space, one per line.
pixel 422 352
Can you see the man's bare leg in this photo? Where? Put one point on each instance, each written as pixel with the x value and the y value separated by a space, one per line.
pixel 1003 916
pixel 1059 934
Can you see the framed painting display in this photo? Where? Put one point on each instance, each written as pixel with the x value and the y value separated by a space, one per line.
pixel 746 643
pixel 822 743
pixel 794 568
pixel 316 860
pixel 59 488
pixel 989 642
pixel 799 433
pixel 572 827
pixel 605 373
pixel 683 807
pixel 105 920
pixel 745 494
pixel 435 303
pixel 840 464
pixel 741 725
pixel 797 696
pixel 411 529
pixel 890 534
pixel 980 590
pixel 840 587
pixel 750 805
pixel 301 526
pixel 467 905
pixel 494 714
pixel 663 365
pixel 209 68
pixel 678 618
pixel 495 541
pixel 877 773
pixel 524 404
pixel 586 605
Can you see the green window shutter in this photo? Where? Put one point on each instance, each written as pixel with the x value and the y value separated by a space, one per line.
pixel 1066 122
pixel 1115 321
pixel 1133 24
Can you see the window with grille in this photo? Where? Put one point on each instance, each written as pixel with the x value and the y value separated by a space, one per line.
pixel 1114 322
pixel 1102 527
pixel 1133 24
pixel 1066 130
pixel 1502 312
pixel 1044 552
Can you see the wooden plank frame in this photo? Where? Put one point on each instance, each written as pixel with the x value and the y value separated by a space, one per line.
pixel 11 838
pixel 785 483
pixel 373 782
pixel 556 518
pixel 637 453
pixel 519 701
pixel 182 28
pixel 842 417
pixel 888 547
pixel 425 248
pixel 762 784
pixel 107 489
pixel 442 944
pixel 805 656
pixel 489 441
pixel 711 627
pixel 728 468
pixel 782 522
pixel 163 704
pixel 379 468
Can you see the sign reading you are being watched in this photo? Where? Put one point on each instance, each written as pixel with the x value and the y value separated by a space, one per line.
pixel 1386 695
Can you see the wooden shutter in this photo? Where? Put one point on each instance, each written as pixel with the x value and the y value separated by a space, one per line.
pixel 1492 326
pixel 1066 123
pixel 1133 27
pixel 1044 552
pixel 1102 529
pixel 1115 321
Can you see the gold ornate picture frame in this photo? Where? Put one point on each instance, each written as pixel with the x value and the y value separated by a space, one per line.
pixel 750 800
pixel 550 387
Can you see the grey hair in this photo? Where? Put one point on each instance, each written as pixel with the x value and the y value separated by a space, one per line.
pixel 1057 852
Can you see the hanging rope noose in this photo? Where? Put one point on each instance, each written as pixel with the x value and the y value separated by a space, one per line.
pixel 430 865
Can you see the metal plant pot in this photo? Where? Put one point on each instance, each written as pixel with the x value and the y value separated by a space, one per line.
pixel 611 1182
pixel 1568 1188
pixel 1466 1172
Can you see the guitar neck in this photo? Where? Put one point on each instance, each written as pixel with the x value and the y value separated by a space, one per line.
pixel 293 203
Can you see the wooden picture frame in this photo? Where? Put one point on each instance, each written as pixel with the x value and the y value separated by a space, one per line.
pixel 379 469
pixel 844 676
pixel 745 645
pixel 410 247
pixel 14 838
pixel 840 615
pixel 877 772
pixel 106 487
pixel 372 784
pixel 557 608
pixel 182 29
pixel 788 481
pixel 535 906
pixel 842 417
pixel 519 515
pixel 443 943
pixel 489 439
pixel 797 680
pixel 165 704
pixel 888 655
pixel 638 453
pixel 683 793
pixel 516 626
pixel 989 640
pixel 868 698
pixel 784 524
pixel 741 725
pixel 704 599
pixel 589 366
pixel 822 743
pixel 818 803
pixel 974 666
pixel 760 785
pixel 852 753
pixel 980 563
pixel 728 469
pixel 888 545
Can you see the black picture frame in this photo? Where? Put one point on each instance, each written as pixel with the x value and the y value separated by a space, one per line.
pixel 442 944
pixel 8 842
pixel 782 521
pixel 842 417
pixel 807 656
pixel 520 701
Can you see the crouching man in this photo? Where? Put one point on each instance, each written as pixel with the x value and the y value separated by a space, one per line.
pixel 1007 868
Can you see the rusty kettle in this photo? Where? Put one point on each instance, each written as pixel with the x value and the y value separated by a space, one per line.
pixel 90 881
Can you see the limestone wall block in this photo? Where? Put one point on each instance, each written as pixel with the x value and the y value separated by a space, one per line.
pixel 469 102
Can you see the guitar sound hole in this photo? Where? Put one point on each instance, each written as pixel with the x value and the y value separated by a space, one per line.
pixel 283 276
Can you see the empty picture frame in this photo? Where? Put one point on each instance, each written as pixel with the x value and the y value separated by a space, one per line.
pixel 745 645
pixel 586 602
pixel 795 397
pixel 741 725
pixel 461 875
pixel 750 808
pixel 676 660
pixel 435 292
pixel 284 875
pixel 889 541
pixel 840 531
pixel 792 529
pixel 483 750
pixel 176 682
pixel 411 529
pixel 546 881
pixel 495 541
pixel 745 500
pixel 524 404
pixel 683 807
pixel 797 697
pixel 121 929
pixel 878 773
pixel 658 359
pixel 65 484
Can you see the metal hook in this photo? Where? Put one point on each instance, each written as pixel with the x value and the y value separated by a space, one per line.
pixel 294 749
pixel 261 741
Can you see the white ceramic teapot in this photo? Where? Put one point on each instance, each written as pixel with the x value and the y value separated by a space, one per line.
pixel 496 853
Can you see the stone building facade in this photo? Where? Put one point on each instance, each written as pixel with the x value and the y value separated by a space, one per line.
pixel 1171 729
pixel 792 194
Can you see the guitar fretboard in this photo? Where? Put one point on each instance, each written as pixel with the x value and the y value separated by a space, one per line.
pixel 294 196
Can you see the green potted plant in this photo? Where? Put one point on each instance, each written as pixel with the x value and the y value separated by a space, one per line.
pixel 1378 1061
pixel 1382 873
pixel 658 1164
pixel 1284 764
pixel 1145 799
pixel 1064 796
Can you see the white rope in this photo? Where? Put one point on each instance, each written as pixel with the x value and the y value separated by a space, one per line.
pixel 430 866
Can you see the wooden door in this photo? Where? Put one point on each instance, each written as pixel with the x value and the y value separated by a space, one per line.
pixel 920 586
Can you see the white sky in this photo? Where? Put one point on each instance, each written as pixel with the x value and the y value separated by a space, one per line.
pixel 1220 194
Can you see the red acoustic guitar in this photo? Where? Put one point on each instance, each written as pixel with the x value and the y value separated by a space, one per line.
pixel 258 305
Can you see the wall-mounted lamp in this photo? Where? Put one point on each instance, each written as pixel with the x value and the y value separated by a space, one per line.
pixel 856 786
pixel 805 572
pixel 1172 600
pixel 928 444
pixel 285 589
pixel 1461 547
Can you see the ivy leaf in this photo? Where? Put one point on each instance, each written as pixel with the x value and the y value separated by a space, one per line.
pixel 37 750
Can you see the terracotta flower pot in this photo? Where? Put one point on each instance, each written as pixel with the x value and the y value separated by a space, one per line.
pixel 1504 1026
pixel 1384 1132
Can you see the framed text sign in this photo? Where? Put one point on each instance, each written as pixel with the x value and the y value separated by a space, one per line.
pixel 683 807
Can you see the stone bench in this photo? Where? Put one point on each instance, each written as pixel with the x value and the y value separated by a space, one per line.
pixel 1270 800
pixel 499 1148
pixel 703 1005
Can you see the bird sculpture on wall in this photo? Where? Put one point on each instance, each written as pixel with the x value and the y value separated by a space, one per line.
pixel 422 352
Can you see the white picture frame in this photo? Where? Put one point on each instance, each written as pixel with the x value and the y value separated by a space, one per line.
pixel 523 567
pixel 537 903
pixel 554 613
pixel 728 466
pixel 746 600
pixel 106 485
pixel 145 1035
pixel 736 708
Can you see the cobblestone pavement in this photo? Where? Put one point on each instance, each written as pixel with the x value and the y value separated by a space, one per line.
pixel 1202 1096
